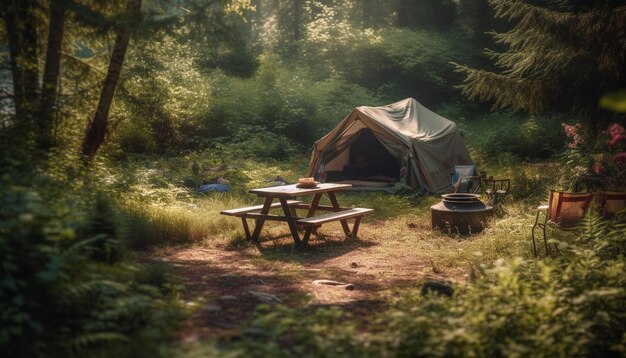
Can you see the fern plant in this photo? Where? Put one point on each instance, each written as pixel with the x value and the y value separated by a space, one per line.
pixel 64 290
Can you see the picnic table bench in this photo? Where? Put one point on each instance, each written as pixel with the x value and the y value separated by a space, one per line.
pixel 313 222
pixel 246 212
pixel 260 213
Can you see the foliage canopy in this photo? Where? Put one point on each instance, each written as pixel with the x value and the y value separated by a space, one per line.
pixel 561 56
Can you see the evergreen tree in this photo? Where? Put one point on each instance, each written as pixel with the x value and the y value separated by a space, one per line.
pixel 477 16
pixel 559 56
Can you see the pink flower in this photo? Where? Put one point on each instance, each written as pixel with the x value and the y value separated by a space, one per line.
pixel 616 132
pixel 620 158
pixel 571 131
pixel 616 129
pixel 616 138
pixel 597 168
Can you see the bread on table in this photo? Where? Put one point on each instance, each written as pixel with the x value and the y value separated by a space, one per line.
pixel 307 181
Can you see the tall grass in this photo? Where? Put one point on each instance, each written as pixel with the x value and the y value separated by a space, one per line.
pixel 176 224
pixel 167 214
pixel 159 209
pixel 160 205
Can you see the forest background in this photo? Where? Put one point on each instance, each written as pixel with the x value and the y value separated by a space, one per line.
pixel 112 113
pixel 199 75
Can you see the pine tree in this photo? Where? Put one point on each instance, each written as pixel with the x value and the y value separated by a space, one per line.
pixel 559 56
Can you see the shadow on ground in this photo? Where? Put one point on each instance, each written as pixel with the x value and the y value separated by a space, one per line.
pixel 225 287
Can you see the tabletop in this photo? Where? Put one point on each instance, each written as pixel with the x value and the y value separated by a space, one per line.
pixel 293 190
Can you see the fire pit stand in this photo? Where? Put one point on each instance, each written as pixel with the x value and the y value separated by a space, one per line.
pixel 460 213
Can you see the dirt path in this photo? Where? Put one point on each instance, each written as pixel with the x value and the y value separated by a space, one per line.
pixel 230 282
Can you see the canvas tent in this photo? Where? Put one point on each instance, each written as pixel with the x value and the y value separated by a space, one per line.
pixel 404 141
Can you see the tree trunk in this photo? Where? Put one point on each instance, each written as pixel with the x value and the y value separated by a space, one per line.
pixel 97 128
pixel 49 90
pixel 21 29
pixel 297 19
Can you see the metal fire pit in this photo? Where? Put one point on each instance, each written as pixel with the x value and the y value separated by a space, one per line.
pixel 460 213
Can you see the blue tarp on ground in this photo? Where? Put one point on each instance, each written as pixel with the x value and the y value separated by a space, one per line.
pixel 207 188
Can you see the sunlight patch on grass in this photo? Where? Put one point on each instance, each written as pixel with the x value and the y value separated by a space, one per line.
pixel 159 210
pixel 410 236
pixel 180 223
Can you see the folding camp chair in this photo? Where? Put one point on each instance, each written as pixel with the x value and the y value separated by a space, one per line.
pixel 464 179
pixel 564 211
pixel 612 203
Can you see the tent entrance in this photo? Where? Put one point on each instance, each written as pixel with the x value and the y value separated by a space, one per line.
pixel 427 144
pixel 365 160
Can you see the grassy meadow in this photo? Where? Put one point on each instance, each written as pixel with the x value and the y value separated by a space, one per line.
pixel 163 219
pixel 395 255
pixel 162 213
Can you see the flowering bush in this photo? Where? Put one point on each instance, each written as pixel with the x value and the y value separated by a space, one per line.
pixel 603 159
pixel 617 133
pixel 572 132
pixel 612 163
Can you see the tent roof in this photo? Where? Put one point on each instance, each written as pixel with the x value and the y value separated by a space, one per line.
pixel 409 119
pixel 408 130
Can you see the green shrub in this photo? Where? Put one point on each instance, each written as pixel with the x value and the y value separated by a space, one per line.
pixel 255 142
pixel 181 103
pixel 282 100
pixel 56 295
pixel 529 138
pixel 492 134
pixel 102 228
pixel 531 182
pixel 135 138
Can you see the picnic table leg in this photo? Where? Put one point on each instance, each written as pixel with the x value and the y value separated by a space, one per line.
pixel 312 208
pixel 292 223
pixel 344 223
pixel 307 235
pixel 259 222
pixel 246 229
pixel 314 205
pixel 355 228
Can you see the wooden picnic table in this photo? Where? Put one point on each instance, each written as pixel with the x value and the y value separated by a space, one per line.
pixel 283 194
